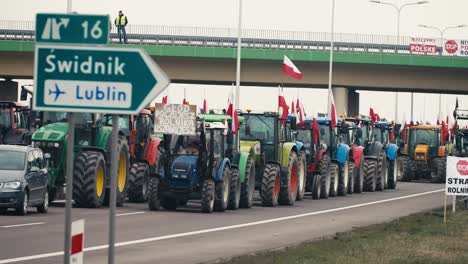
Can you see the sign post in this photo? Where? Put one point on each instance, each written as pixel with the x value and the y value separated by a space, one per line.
pixel 456 180
pixel 92 79
pixel 77 242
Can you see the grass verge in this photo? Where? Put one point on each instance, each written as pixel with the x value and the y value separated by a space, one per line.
pixel 419 238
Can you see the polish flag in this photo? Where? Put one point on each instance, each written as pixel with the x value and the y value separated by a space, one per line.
pixel 332 110
pixel 205 108
pixel 164 99
pixel 290 69
pixel 230 108
pixel 444 132
pixel 315 127
pixel 372 115
pixel 235 122
pixel 392 133
pixel 282 107
pixel 185 102
pixel 293 109
pixel 300 111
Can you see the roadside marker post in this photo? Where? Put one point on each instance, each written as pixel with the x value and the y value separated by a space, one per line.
pixel 456 181
pixel 90 79
pixel 77 242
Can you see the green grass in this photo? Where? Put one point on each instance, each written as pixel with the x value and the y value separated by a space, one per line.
pixel 421 238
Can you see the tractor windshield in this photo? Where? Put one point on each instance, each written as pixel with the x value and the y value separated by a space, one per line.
pixel 325 135
pixel 258 127
pixel 424 136
pixel 54 117
pixel 305 137
pixel 124 121
pixel 12 160
pixel 381 135
pixel 5 117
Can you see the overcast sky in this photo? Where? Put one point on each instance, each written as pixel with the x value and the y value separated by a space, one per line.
pixel 351 16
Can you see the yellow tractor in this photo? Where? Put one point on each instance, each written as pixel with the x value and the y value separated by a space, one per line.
pixel 424 154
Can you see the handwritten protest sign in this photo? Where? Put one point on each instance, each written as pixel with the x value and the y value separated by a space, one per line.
pixel 175 119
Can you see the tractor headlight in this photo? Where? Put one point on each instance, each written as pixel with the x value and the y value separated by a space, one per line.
pixel 57 145
pixel 183 176
pixel 175 175
pixel 11 185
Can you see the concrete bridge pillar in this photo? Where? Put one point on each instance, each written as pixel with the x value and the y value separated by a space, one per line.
pixel 8 90
pixel 346 101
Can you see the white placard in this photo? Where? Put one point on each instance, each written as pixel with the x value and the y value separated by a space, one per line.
pixel 457 176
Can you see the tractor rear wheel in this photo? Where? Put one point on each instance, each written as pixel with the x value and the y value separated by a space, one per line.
pixel 123 167
pixel 208 193
pixel 351 177
pixel 235 190
pixel 222 191
pixel 408 172
pixel 154 203
pixel 359 173
pixel 334 179
pixel 323 169
pixel 248 186
pixel 138 183
pixel 392 174
pixel 288 186
pixel 301 181
pixel 89 179
pixel 381 172
pixel 370 175
pixel 270 189
pixel 326 183
pixel 438 171
pixel 343 179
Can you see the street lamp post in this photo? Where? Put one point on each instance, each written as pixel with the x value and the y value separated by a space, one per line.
pixel 399 9
pixel 442 32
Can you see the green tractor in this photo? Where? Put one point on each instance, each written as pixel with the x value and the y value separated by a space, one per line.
pixel 92 148
pixel 275 166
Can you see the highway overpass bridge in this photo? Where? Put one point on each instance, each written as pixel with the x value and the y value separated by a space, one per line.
pixel 207 56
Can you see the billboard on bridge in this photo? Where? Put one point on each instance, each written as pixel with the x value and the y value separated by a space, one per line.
pixel 454 47
pixel 424 46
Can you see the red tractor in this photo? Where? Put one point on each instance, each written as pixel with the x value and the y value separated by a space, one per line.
pixel 14 123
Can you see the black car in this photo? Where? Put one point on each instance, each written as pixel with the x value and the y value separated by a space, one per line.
pixel 23 179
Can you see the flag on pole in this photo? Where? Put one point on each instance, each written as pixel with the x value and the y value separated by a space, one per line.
pixel 315 127
pixel 372 115
pixel 282 107
pixel 205 108
pixel 230 107
pixel 290 69
pixel 164 99
pixel 235 122
pixel 300 111
pixel 293 109
pixel 332 110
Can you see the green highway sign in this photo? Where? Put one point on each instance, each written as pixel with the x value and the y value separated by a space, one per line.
pixel 95 79
pixel 72 29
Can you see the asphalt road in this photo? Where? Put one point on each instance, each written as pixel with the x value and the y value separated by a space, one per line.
pixel 188 236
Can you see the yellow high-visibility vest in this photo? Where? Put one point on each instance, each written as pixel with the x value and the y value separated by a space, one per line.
pixel 123 20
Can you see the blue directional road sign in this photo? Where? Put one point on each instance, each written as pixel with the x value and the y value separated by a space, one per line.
pixel 72 28
pixel 95 79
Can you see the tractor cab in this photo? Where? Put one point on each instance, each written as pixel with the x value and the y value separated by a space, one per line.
pixel 461 134
pixel 381 132
pixel 14 123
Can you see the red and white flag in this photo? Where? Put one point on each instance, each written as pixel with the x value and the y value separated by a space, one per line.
pixel 332 110
pixel 290 69
pixel 230 107
pixel 315 127
pixel 77 241
pixel 185 102
pixel 235 122
pixel 205 108
pixel 293 109
pixel 282 107
pixel 164 99
pixel 372 115
pixel 300 111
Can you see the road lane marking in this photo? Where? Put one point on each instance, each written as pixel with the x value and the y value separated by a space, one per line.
pixel 20 225
pixel 133 213
pixel 205 231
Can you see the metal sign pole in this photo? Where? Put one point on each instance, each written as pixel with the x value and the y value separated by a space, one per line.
pixel 69 188
pixel 454 204
pixel 113 187
pixel 445 208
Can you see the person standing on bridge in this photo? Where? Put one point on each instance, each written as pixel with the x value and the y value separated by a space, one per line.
pixel 121 22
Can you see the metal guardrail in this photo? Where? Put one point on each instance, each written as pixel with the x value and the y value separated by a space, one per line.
pixel 227 37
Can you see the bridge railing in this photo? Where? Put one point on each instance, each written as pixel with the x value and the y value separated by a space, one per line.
pixel 226 37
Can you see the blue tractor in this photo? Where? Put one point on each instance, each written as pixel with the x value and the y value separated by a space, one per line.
pixel 194 167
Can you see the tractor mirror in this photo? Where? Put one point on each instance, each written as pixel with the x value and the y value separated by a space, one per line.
pixel 23 95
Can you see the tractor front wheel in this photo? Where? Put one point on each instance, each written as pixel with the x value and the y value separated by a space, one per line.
pixel 89 179
pixel 358 173
pixel 351 177
pixel 343 179
pixel 301 181
pixel 235 190
pixel 208 193
pixel 370 175
pixel 439 170
pixel 392 173
pixel 154 203
pixel 138 183
pixel 330 182
pixel 289 177
pixel 334 179
pixel 408 172
pixel 248 186
pixel 222 191
pixel 270 185
pixel 381 172
pixel 323 170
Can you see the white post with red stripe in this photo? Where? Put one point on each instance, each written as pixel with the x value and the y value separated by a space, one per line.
pixel 77 242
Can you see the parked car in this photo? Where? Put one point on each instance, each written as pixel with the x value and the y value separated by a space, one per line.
pixel 23 179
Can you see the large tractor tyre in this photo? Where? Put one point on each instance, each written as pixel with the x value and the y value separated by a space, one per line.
pixel 438 171
pixel 370 175
pixel 123 168
pixel 351 177
pixel 137 191
pixel 343 179
pixel 207 196
pixel 401 168
pixel 222 191
pixel 323 169
pixel 235 190
pixel 89 180
pixel 330 183
pixel 358 174
pixel 169 203
pixel 269 191
pixel 334 180
pixel 248 186
pixel 392 174
pixel 408 171
pixel 154 203
pixel 289 177
pixel 381 172
pixel 301 180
